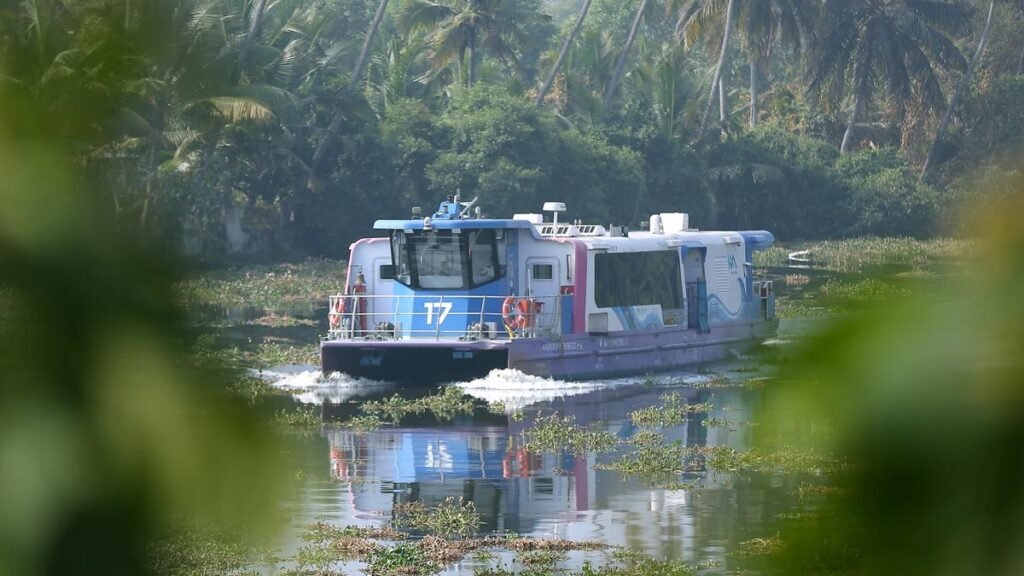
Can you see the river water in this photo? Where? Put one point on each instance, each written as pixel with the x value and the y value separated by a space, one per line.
pixel 350 478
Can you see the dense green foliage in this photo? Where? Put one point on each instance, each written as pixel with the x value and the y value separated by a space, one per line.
pixel 246 128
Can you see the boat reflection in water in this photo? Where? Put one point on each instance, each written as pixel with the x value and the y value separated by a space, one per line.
pixel 483 460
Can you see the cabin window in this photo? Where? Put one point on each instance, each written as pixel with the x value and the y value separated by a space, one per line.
pixel 483 256
pixel 443 260
pixel 386 272
pixel 623 279
pixel 543 272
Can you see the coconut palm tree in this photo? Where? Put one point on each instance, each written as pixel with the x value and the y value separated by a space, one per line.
pixel 370 35
pixel 691 25
pixel 960 90
pixel 895 45
pixel 564 52
pixel 620 66
pixel 762 25
pixel 460 30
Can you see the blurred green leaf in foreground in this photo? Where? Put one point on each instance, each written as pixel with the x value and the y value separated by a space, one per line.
pixel 925 398
pixel 106 433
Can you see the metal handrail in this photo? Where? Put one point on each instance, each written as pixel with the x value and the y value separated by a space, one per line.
pixel 373 324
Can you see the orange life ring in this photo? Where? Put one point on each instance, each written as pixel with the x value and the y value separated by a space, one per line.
pixel 338 312
pixel 517 313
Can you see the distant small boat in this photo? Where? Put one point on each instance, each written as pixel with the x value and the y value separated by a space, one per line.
pixel 801 257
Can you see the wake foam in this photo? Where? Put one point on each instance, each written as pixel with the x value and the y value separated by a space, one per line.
pixel 516 390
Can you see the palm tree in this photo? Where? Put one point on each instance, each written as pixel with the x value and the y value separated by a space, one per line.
pixel 370 35
pixel 459 30
pixel 763 24
pixel 565 51
pixel 692 24
pixel 895 44
pixel 960 89
pixel 620 66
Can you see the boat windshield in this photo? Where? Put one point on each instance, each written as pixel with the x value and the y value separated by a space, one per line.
pixel 445 260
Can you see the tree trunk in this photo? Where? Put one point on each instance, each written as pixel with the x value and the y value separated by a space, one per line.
pixel 471 59
pixel 620 66
pixel 254 30
pixel 722 114
pixel 565 50
pixel 858 107
pixel 729 17
pixel 321 148
pixel 149 191
pixel 370 35
pixel 960 90
pixel 755 93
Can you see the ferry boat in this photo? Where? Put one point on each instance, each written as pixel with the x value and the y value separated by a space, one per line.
pixel 452 296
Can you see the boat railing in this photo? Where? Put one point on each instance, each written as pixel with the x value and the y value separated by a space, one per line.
pixel 443 317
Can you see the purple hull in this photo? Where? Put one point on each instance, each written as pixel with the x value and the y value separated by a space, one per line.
pixel 571 357
pixel 639 352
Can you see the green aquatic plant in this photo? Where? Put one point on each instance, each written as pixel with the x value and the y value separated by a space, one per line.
pixel 299 417
pixel 391 409
pixel 784 460
pixel 653 462
pixel 362 423
pixel 448 403
pixel 673 411
pixel 452 517
pixel 271 287
pixel 400 559
pixel 444 405
pixel 858 254
pixel 555 434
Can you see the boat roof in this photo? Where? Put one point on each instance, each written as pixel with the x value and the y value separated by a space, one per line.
pixel 640 241
pixel 462 224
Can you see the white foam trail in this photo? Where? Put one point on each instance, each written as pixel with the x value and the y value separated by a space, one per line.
pixel 516 390
pixel 311 386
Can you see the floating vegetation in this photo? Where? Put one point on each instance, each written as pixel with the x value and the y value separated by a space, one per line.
pixel 270 354
pixel 653 462
pixel 391 409
pixel 190 548
pixel 541 558
pixel 715 422
pixel 268 287
pixel 400 559
pixel 450 518
pixel 444 405
pixel 787 460
pixel 759 547
pixel 672 412
pixel 555 434
pixel 362 423
pixel 809 491
pixel 857 254
pixel 321 532
pixel 448 403
pixel 301 417
pixel 252 388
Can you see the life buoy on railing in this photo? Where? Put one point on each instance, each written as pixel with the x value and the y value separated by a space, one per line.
pixel 338 311
pixel 517 313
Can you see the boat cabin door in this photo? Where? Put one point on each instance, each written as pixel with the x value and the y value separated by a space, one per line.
pixel 383 285
pixel 543 282
pixel 696 288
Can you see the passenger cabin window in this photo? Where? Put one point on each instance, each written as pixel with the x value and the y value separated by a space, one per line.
pixel 443 260
pixel 543 272
pixel 638 279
